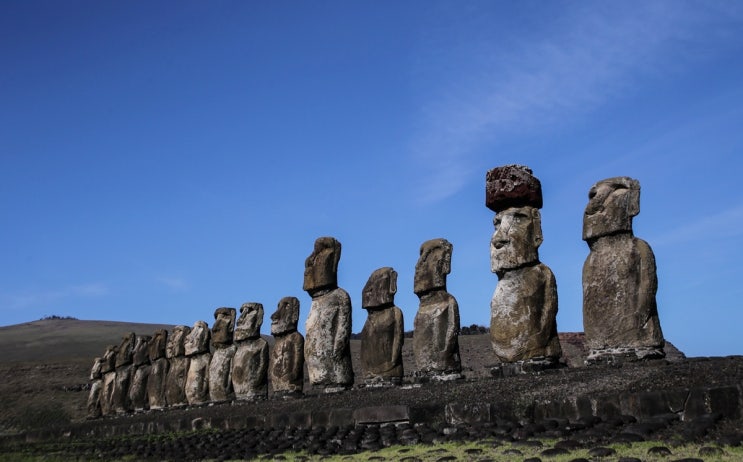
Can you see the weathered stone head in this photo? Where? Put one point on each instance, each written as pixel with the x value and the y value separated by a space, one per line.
pixel 126 350
pixel 433 265
pixel 109 359
pixel 156 348
pixel 141 351
pixel 284 320
pixel 516 240
pixel 250 322
pixel 512 186
pixel 380 289
pixel 612 203
pixel 197 341
pixel 224 325
pixel 321 267
pixel 177 342
pixel 96 370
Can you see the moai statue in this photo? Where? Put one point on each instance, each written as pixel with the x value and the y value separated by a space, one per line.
pixel 108 372
pixel 124 374
pixel 197 350
pixel 383 333
pixel 523 326
pixel 96 385
pixel 620 316
pixel 158 370
pixel 220 369
pixel 436 327
pixel 250 364
pixel 178 362
pixel 286 364
pixel 141 368
pixel 327 347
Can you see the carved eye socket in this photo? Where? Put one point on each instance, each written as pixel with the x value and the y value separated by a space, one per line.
pixel 592 193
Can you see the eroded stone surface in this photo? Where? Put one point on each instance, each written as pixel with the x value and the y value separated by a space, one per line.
pixel 220 373
pixel 382 335
pixel 327 348
pixel 250 363
pixel 125 354
pixel 175 383
pixel 224 325
pixel 156 383
pixel 120 399
pixel 197 350
pixel 436 325
pixel 96 385
pixel 523 310
pixel 197 341
pixel 512 186
pixel 620 315
pixel 286 361
pixel 158 345
pixel 141 364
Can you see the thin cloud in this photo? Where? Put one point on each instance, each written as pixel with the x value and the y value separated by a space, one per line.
pixel 594 55
pixel 43 298
pixel 173 283
pixel 722 225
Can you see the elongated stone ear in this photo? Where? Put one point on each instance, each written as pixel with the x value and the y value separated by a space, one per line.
pixel 633 198
pixel 536 217
pixel 393 281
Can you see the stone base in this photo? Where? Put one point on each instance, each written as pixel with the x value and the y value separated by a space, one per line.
pixel 380 382
pixel 251 396
pixel 287 395
pixel 335 389
pixel 617 356
pixel 529 366
pixel 436 376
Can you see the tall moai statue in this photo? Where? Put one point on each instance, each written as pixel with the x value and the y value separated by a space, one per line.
pixel 383 334
pixel 436 325
pixel 124 374
pixel 178 362
pixel 159 365
pixel 620 315
pixel 96 386
pixel 523 310
pixel 327 347
pixel 141 372
pixel 197 350
pixel 286 362
pixel 250 364
pixel 108 372
pixel 220 368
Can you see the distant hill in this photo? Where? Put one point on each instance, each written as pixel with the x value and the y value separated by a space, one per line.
pixel 56 339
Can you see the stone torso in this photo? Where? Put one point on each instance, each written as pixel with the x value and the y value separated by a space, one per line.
pixel 250 368
pixel 381 343
pixel 435 337
pixel 286 366
pixel 619 287
pixel 523 312
pixel 327 348
pixel 220 373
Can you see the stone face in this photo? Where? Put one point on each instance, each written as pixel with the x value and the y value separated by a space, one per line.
pixel 220 374
pixel 109 359
pixel 523 310
pixel 175 382
pixel 250 322
pixel 197 341
pixel 126 350
pixel 197 380
pixel 250 369
pixel 436 325
pixel 224 325
pixel 286 361
pixel 383 333
pixel 620 315
pixel 94 399
pixel 512 186
pixel 141 354
pixel 327 348
pixel 158 344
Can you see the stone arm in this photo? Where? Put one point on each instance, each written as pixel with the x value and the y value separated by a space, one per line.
pixel 297 354
pixel 548 313
pixel 648 284
pixel 342 324
pixel 398 338
pixel 452 328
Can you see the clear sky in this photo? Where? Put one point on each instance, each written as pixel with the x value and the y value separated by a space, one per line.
pixel 160 159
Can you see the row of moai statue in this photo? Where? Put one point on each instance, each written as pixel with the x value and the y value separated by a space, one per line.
pixel 620 316
pixel 619 312
pixel 154 372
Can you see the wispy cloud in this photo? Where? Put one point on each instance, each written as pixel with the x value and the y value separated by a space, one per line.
pixel 722 225
pixel 44 298
pixel 594 54
pixel 173 283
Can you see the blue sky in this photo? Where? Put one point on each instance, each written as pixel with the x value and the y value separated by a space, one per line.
pixel 161 159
